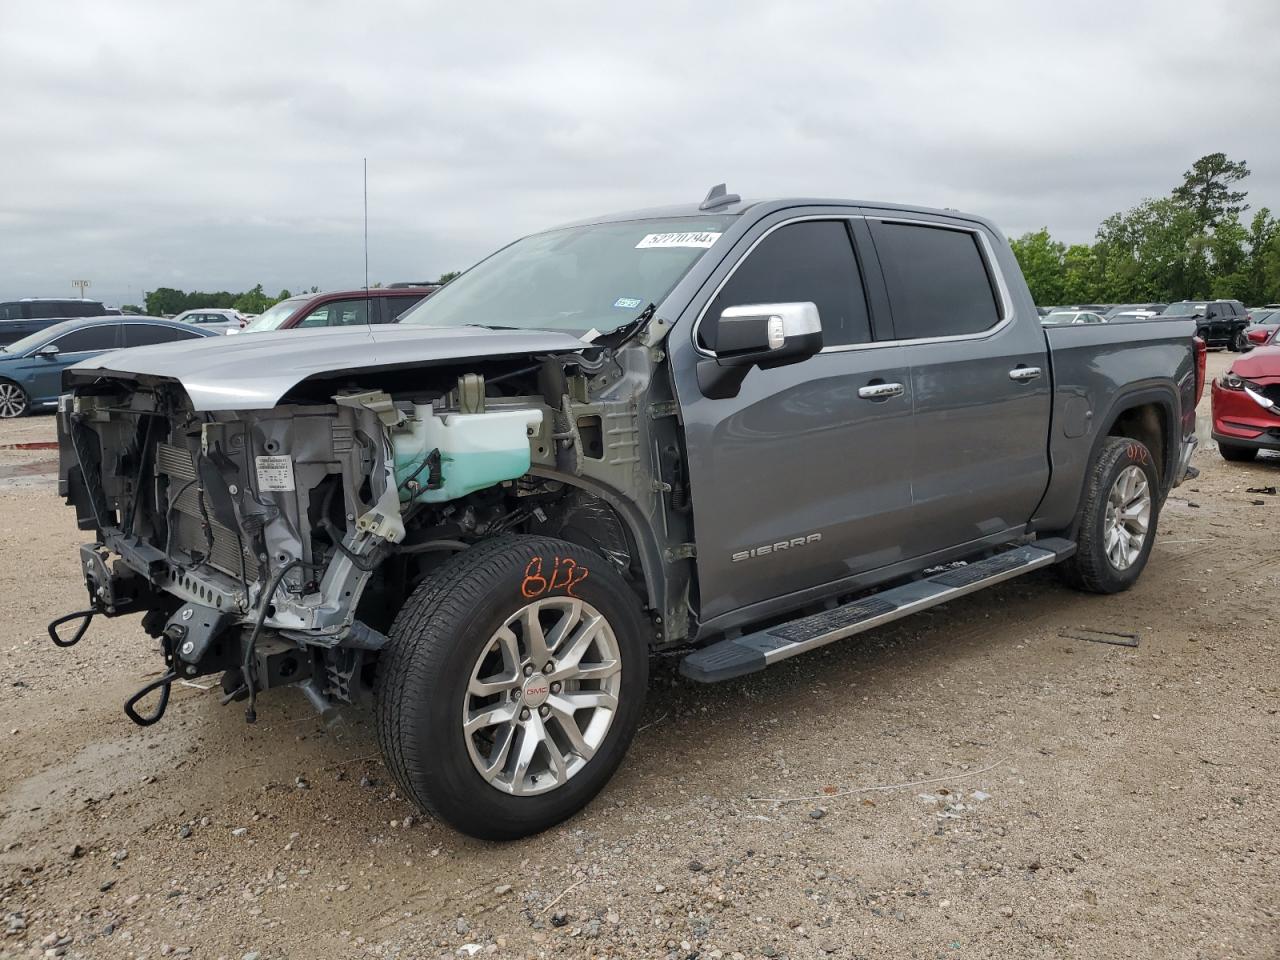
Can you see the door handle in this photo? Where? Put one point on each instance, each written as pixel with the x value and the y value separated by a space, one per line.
pixel 880 391
pixel 1023 374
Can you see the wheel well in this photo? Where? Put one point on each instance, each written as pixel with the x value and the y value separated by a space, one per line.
pixel 1147 424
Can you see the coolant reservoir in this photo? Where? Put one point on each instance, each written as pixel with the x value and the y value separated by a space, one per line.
pixel 477 450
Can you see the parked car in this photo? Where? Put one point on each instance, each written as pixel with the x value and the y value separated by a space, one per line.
pixel 1134 311
pixel 1067 317
pixel 1263 324
pixel 1246 405
pixel 1220 323
pixel 343 308
pixel 18 318
pixel 213 318
pixel 31 368
pixel 484 525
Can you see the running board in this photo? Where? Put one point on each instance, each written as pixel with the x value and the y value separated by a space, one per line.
pixel 755 651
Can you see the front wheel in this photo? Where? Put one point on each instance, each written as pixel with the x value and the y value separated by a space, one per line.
pixel 1241 343
pixel 13 400
pixel 1117 519
pixel 512 685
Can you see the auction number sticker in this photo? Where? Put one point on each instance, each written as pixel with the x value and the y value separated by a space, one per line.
pixel 274 473
pixel 658 241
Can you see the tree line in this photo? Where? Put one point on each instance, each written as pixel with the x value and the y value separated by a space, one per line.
pixel 1193 244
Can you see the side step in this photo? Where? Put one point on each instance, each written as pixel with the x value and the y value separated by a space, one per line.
pixel 755 651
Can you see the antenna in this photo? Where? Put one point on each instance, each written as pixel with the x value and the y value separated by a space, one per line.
pixel 717 196
pixel 366 229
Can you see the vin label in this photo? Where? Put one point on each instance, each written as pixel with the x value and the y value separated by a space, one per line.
pixel 275 474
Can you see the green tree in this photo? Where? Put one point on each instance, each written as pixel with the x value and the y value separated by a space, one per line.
pixel 253 301
pixel 283 295
pixel 1206 189
pixel 1040 257
pixel 448 275
pixel 1081 274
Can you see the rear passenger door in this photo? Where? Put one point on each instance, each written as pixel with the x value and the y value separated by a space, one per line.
pixel 980 382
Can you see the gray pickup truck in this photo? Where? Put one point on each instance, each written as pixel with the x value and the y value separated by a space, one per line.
pixel 730 432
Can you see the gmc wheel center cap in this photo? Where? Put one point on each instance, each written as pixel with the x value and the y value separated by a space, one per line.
pixel 536 690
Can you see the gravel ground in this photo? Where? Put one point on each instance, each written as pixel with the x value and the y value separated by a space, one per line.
pixel 971 782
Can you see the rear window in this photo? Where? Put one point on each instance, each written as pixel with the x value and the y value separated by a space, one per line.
pixel 96 337
pixel 937 280
pixel 146 334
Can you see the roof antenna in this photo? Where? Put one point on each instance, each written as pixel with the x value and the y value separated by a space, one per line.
pixel 366 225
pixel 718 197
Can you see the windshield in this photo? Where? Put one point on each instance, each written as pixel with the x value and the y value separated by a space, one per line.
pixel 595 277
pixel 1184 309
pixel 1059 316
pixel 272 318
pixel 40 336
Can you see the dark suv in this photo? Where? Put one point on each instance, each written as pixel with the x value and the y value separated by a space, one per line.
pixel 20 318
pixel 1220 323
pixel 344 308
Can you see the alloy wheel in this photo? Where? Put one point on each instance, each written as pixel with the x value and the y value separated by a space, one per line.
pixel 542 696
pixel 13 402
pixel 1128 517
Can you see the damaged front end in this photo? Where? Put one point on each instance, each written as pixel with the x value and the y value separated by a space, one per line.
pixel 249 539
pixel 273 546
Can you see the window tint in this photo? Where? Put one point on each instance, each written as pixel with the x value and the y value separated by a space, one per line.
pixel 398 305
pixel 342 313
pixel 937 280
pixel 145 334
pixel 808 261
pixel 96 337
pixel 11 311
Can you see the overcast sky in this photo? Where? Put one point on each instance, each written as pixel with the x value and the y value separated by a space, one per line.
pixel 217 145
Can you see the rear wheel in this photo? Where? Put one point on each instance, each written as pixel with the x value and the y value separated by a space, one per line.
pixel 13 400
pixel 1237 454
pixel 512 685
pixel 1117 520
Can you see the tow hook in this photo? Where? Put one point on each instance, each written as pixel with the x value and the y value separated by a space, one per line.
pixel 164 685
pixel 86 616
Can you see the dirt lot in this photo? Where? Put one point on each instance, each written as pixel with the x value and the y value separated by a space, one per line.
pixel 1079 799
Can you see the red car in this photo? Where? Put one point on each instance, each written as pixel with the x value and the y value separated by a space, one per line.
pixel 1246 405
pixel 343 308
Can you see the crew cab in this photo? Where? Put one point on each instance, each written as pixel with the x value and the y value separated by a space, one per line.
pixel 730 432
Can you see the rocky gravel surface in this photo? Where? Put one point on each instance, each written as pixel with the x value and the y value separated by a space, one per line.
pixel 978 781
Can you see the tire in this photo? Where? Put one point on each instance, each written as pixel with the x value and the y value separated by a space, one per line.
pixel 1106 559
pixel 13 401
pixel 1240 344
pixel 446 641
pixel 1237 454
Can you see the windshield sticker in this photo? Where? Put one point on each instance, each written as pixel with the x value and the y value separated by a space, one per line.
pixel 627 303
pixel 659 241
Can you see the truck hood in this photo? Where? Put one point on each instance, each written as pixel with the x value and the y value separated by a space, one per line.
pixel 254 371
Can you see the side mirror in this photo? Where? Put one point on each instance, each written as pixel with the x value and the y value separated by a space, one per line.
pixel 765 334
pixel 48 351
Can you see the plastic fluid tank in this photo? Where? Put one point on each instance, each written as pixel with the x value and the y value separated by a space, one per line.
pixel 477 450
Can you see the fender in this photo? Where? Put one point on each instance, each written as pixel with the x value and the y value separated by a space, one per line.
pixel 1165 397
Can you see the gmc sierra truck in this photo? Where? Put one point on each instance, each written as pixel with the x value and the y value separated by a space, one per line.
pixel 730 432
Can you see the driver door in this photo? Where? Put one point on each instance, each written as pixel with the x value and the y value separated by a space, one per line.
pixel 801 479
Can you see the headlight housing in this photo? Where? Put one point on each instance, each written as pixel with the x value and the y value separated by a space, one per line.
pixel 1229 381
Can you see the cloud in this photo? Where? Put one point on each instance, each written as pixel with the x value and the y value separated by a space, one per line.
pixel 220 145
